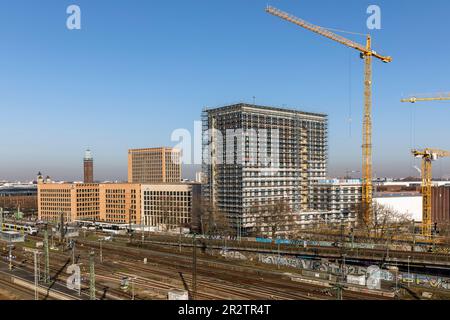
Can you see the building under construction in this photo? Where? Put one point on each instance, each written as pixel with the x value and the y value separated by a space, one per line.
pixel 255 156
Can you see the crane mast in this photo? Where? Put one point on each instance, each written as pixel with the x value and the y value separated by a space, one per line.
pixel 367 187
pixel 366 53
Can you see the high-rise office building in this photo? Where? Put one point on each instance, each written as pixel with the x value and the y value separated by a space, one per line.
pixel 154 165
pixel 256 156
pixel 88 167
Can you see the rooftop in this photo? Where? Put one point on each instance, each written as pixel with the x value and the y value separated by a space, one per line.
pixel 402 194
pixel 266 108
pixel 154 149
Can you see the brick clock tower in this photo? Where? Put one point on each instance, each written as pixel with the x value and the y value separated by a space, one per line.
pixel 88 167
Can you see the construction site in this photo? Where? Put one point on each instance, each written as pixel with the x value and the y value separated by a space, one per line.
pixel 263 222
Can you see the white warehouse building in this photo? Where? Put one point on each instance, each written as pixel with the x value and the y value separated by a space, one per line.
pixel 407 203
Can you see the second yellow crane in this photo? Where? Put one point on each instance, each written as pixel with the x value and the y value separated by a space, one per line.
pixel 366 53
pixel 428 156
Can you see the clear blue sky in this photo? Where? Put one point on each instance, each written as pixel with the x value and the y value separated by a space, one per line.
pixel 139 69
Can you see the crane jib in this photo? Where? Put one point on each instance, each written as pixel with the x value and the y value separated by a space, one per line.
pixel 328 34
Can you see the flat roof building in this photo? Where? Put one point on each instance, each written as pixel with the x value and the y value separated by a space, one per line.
pixel 170 206
pixel 404 204
pixel 77 201
pixel 14 195
pixel 154 165
pixel 336 195
pixel 112 202
pixel 120 202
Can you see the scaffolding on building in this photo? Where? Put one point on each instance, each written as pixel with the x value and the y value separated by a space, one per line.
pixel 237 188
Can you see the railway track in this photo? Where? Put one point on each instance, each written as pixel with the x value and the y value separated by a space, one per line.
pixel 15 292
pixel 278 287
pixel 331 252
pixel 215 280
pixel 205 286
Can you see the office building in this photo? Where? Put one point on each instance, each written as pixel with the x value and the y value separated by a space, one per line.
pixel 168 206
pixel 111 202
pixel 76 201
pixel 120 202
pixel 154 165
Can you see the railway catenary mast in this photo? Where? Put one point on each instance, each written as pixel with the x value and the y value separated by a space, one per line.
pixel 92 290
pixel 46 257
pixel 366 53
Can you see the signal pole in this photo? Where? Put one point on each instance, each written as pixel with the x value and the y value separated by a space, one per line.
pixel 142 229
pixel 1 219
pixel 130 231
pixel 36 279
pixel 73 252
pixel 101 251
pixel 91 276
pixel 36 272
pixel 62 227
pixel 179 240
pixel 194 269
pixel 10 245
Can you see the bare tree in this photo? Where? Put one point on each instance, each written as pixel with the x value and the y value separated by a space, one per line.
pixel 212 221
pixel 387 224
pixel 273 219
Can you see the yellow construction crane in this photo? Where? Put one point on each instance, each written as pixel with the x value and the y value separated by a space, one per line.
pixel 437 97
pixel 366 53
pixel 428 155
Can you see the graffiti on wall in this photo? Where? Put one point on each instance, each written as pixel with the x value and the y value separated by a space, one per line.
pixel 321 266
pixel 331 267
pixel 232 254
pixel 425 281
